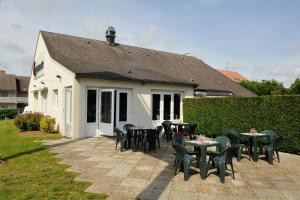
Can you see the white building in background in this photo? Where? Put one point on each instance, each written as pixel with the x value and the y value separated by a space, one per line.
pixel 13 91
pixel 92 86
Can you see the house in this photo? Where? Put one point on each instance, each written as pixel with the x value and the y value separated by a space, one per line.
pixel 13 91
pixel 92 86
pixel 235 76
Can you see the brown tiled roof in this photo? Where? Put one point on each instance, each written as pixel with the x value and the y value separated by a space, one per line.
pixel 8 82
pixel 235 76
pixel 95 59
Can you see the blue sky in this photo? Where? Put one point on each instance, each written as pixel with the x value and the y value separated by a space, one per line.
pixel 260 39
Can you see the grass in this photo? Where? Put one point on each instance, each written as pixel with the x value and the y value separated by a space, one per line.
pixel 31 171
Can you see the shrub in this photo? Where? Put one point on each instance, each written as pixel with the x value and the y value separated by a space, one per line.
pixel 8 113
pixel 28 121
pixel 47 124
pixel 278 113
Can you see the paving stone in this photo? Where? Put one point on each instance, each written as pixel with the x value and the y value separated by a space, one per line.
pixel 135 175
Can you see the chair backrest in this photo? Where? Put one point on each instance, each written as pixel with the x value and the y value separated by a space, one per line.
pixel 167 126
pixel 224 142
pixel 127 126
pixel 231 130
pixel 159 129
pixel 178 139
pixel 119 133
pixel 271 134
pixel 180 151
pixel 150 134
pixel 232 135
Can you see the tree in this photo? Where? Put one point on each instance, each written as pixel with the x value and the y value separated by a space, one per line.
pixel 295 87
pixel 264 87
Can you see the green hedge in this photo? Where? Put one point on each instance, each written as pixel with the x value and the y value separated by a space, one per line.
pixel 8 113
pixel 278 113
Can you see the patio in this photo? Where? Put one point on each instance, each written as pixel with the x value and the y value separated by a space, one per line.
pixel 135 175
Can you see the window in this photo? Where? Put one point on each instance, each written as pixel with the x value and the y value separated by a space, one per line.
pixel 123 107
pixel 4 94
pixel 55 99
pixel 44 95
pixel 106 106
pixel 167 107
pixel 155 106
pixel 36 101
pixel 91 106
pixel 176 109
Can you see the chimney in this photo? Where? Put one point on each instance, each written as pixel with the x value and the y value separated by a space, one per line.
pixel 110 35
pixel 2 72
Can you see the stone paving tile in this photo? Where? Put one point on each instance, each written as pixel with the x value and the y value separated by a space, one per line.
pixel 135 175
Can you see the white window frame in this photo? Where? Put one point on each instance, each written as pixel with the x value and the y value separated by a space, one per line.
pixel 162 93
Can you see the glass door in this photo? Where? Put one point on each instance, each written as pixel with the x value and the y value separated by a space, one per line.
pixel 106 123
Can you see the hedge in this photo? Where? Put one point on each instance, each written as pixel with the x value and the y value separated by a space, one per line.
pixel 9 113
pixel 278 113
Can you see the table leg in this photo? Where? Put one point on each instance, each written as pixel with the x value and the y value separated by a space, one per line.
pixel 134 140
pixel 202 164
pixel 255 155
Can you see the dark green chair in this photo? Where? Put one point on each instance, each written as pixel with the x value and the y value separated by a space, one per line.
pixel 192 130
pixel 224 142
pixel 266 140
pixel 272 147
pixel 158 131
pixel 121 138
pixel 183 158
pixel 167 131
pixel 150 139
pixel 235 140
pixel 222 160
pixel 127 126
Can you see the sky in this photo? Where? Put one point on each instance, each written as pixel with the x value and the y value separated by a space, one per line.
pixel 259 39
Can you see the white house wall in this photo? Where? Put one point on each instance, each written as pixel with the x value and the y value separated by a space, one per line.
pixel 141 98
pixel 51 82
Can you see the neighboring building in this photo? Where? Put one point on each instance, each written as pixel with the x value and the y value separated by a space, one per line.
pixel 92 86
pixel 13 91
pixel 235 76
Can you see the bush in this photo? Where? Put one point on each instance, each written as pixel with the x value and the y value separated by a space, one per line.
pixel 8 113
pixel 28 121
pixel 278 113
pixel 47 124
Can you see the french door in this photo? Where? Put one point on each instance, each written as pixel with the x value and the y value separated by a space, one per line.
pixel 106 114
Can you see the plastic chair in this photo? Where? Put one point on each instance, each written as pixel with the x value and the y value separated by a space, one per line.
pixel 223 159
pixel 120 138
pixel 224 142
pixel 192 130
pixel 150 139
pixel 234 140
pixel 271 147
pixel 182 157
pixel 127 126
pixel 167 130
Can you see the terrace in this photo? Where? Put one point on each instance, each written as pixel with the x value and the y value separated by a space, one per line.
pixel 131 175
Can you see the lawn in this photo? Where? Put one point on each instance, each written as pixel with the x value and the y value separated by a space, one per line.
pixel 31 171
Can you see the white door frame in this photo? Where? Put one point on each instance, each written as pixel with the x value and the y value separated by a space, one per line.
pixel 67 107
pixel 120 124
pixel 92 128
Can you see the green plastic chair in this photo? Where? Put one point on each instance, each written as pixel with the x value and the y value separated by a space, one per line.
pixel 183 158
pixel 222 160
pixel 224 142
pixel 235 140
pixel 266 140
pixel 272 147
pixel 167 130
pixel 120 138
